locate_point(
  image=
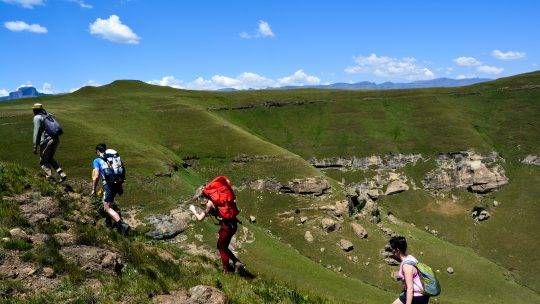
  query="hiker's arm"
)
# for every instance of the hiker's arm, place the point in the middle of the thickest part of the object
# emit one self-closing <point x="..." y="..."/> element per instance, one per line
<point x="202" y="215"/>
<point x="95" y="180"/>
<point x="408" y="272"/>
<point x="37" y="132"/>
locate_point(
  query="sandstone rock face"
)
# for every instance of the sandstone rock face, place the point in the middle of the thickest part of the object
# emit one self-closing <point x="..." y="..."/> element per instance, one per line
<point x="328" y="224"/>
<point x="396" y="186"/>
<point x="202" y="294"/>
<point x="359" y="230"/>
<point x="92" y="258"/>
<point x="531" y="160"/>
<point x="387" y="162"/>
<point x="466" y="170"/>
<point x="316" y="186"/>
<point x="346" y="245"/>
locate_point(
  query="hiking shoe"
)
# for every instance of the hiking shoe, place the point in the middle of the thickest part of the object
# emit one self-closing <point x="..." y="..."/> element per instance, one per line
<point x="239" y="266"/>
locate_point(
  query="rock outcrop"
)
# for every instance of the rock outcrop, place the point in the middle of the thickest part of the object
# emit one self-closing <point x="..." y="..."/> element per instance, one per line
<point x="316" y="186"/>
<point x="386" y="162"/>
<point x="346" y="245"/>
<point x="466" y="170"/>
<point x="92" y="258"/>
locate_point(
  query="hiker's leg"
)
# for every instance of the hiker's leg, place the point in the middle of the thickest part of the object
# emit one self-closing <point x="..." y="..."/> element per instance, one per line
<point x="44" y="153"/>
<point x="53" y="146"/>
<point x="108" y="200"/>
<point x="233" y="258"/>
<point x="223" y="244"/>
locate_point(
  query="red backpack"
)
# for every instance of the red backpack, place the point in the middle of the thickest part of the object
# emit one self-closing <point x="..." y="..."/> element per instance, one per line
<point x="220" y="192"/>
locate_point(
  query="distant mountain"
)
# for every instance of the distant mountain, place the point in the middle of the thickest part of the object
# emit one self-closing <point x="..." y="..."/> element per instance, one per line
<point x="23" y="92"/>
<point x="367" y="85"/>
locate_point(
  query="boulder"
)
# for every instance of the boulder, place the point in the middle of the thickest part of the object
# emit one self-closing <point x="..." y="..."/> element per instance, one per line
<point x="309" y="186"/>
<point x="303" y="219"/>
<point x="359" y="230"/>
<point x="19" y="234"/>
<point x="328" y="224"/>
<point x="531" y="160"/>
<point x="479" y="214"/>
<point x="343" y="208"/>
<point x="48" y="272"/>
<point x="252" y="219"/>
<point x="167" y="226"/>
<point x="309" y="237"/>
<point x="396" y="186"/>
<point x="92" y="258"/>
<point x="450" y="270"/>
<point x="202" y="294"/>
<point x="346" y="245"/>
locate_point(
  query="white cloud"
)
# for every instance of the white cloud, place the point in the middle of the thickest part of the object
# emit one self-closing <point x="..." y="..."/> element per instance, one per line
<point x="299" y="78"/>
<point x="47" y="88"/>
<point x="25" y="3"/>
<point x="486" y="69"/>
<point x="81" y="3"/>
<point x="113" y="30"/>
<point x="244" y="81"/>
<point x="168" y="81"/>
<point x="384" y="66"/>
<point x="19" y="26"/>
<point x="90" y="83"/>
<point x="467" y="61"/>
<point x="3" y="92"/>
<point x="263" y="31"/>
<point x="510" y="55"/>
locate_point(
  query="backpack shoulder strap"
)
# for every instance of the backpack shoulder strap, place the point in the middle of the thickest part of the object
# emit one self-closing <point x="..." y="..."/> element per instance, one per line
<point x="415" y="265"/>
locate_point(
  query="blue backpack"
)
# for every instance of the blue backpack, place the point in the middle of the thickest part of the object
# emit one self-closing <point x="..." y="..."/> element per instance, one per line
<point x="52" y="126"/>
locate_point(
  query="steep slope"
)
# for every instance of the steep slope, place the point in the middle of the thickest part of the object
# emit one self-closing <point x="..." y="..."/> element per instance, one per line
<point x="272" y="134"/>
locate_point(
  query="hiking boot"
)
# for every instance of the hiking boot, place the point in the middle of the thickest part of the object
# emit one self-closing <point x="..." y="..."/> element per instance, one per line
<point x="239" y="266"/>
<point x="123" y="227"/>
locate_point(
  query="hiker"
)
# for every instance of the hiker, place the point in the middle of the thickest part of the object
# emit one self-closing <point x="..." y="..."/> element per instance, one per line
<point x="46" y="138"/>
<point x="408" y="274"/>
<point x="108" y="167"/>
<point x="220" y="202"/>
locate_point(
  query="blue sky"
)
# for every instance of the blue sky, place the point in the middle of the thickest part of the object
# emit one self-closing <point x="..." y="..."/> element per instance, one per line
<point x="61" y="45"/>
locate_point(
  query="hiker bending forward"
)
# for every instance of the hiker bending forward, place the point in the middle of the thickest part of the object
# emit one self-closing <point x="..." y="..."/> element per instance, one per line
<point x="46" y="141"/>
<point x="221" y="202"/>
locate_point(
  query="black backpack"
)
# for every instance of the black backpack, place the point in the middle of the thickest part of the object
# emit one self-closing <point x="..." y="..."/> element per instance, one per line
<point x="52" y="126"/>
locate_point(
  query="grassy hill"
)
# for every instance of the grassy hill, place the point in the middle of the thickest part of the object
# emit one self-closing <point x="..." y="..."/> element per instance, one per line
<point x="154" y="127"/>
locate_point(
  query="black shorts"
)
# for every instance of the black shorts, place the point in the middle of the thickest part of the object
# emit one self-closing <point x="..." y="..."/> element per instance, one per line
<point x="110" y="192"/>
<point x="416" y="299"/>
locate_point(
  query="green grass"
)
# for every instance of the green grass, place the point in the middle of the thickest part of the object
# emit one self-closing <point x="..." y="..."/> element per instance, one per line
<point x="154" y="126"/>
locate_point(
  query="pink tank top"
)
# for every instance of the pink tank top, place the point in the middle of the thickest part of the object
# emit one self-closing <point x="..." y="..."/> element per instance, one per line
<point x="417" y="283"/>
